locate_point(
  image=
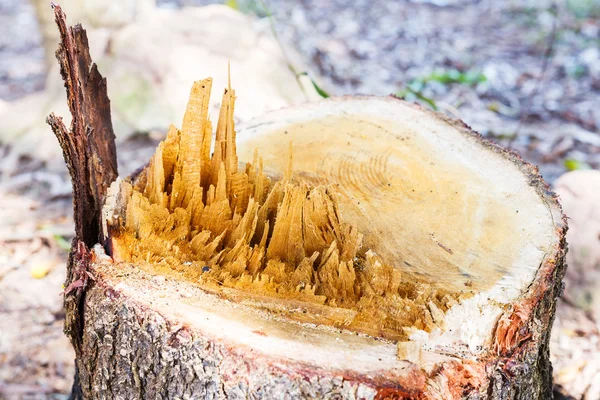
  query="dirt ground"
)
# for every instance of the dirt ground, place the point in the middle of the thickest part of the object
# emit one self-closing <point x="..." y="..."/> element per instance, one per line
<point x="523" y="73"/>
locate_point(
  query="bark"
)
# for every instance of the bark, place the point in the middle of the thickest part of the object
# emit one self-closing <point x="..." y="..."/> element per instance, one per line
<point x="132" y="352"/>
<point x="89" y="145"/>
<point x="135" y="349"/>
<point x="131" y="344"/>
<point x="90" y="154"/>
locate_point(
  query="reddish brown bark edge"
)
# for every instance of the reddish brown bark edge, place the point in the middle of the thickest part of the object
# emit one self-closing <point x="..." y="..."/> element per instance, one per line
<point x="89" y="145"/>
<point x="90" y="154"/>
<point x="522" y="335"/>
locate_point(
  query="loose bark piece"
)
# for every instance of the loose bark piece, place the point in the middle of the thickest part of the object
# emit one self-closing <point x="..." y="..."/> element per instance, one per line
<point x="90" y="154"/>
<point x="89" y="145"/>
<point x="397" y="254"/>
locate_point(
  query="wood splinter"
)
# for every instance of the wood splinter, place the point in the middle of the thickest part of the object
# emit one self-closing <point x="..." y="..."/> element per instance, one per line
<point x="284" y="239"/>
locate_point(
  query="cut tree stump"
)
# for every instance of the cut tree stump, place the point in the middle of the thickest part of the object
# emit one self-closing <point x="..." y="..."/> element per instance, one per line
<point x="390" y="252"/>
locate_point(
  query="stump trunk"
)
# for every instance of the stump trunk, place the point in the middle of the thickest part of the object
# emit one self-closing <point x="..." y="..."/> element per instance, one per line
<point x="393" y="254"/>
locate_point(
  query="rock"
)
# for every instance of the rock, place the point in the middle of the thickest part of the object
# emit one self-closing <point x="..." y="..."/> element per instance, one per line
<point x="580" y="197"/>
<point x="92" y="13"/>
<point x="575" y="339"/>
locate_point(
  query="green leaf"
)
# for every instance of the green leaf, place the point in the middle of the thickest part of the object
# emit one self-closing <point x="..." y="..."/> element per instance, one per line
<point x="233" y="4"/>
<point x="573" y="165"/>
<point x="60" y="240"/>
<point x="410" y="94"/>
<point x="455" y="76"/>
<point x="319" y="90"/>
<point x="427" y="100"/>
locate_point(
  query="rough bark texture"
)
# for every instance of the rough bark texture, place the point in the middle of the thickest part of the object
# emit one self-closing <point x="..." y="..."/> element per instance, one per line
<point x="131" y="350"/>
<point x="127" y="350"/>
<point x="89" y="145"/>
<point x="132" y="353"/>
<point x="90" y="154"/>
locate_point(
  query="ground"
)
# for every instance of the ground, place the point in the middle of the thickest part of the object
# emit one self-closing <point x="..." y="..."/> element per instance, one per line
<point x="523" y="73"/>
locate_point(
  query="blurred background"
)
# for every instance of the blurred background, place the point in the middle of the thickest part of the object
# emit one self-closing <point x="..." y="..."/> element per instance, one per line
<point x="524" y="73"/>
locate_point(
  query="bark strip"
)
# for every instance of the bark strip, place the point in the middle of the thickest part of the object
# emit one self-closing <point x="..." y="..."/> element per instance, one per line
<point x="89" y="145"/>
<point x="90" y="154"/>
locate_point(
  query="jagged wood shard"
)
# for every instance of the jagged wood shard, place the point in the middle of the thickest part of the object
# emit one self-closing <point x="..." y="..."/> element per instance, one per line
<point x="225" y="226"/>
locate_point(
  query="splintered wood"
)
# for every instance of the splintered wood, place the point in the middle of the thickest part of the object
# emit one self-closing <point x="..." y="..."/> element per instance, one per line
<point x="199" y="215"/>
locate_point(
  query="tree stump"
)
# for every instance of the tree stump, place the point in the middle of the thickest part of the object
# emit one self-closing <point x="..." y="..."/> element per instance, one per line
<point x="389" y="252"/>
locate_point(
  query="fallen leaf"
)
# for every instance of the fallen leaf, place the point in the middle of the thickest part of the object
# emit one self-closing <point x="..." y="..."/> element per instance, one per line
<point x="41" y="269"/>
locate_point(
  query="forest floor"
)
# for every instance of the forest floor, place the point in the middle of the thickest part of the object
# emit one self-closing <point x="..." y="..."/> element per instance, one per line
<point x="525" y="74"/>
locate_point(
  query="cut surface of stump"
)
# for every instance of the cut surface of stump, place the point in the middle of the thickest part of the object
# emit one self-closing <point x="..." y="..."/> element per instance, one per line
<point x="358" y="247"/>
<point x="280" y="242"/>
